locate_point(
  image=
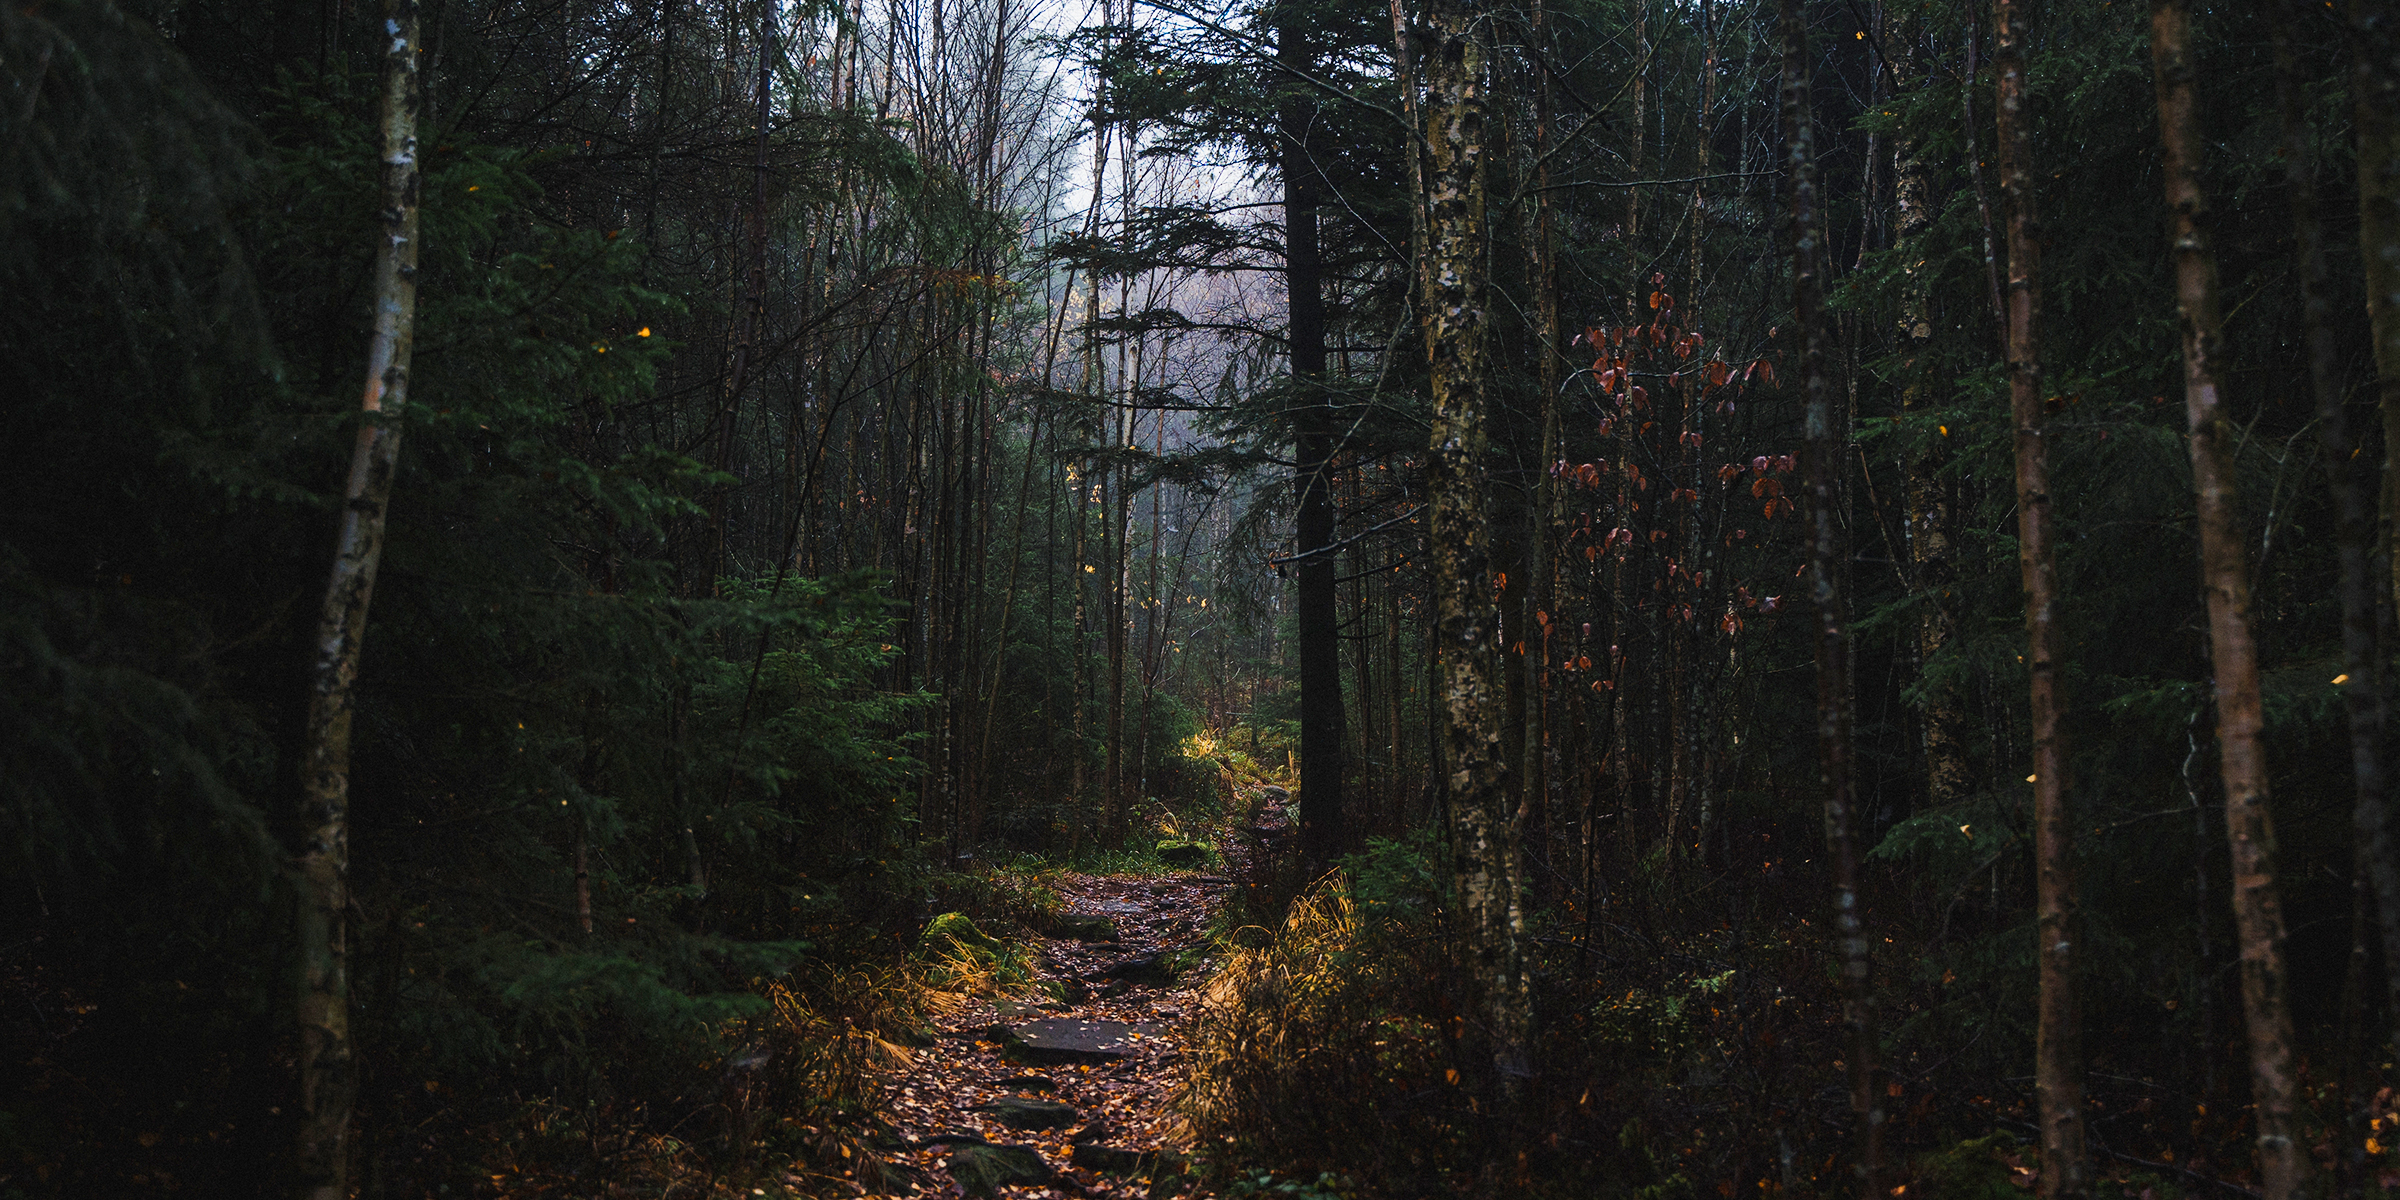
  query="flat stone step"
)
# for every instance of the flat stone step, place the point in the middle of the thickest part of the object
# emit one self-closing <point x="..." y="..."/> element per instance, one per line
<point x="1167" y="1166"/>
<point x="1085" y="927"/>
<point x="953" y="1138"/>
<point x="983" y="1170"/>
<point x="1025" y="1112"/>
<point x="1112" y="1160"/>
<point x="1158" y="967"/>
<point x="1074" y="1040"/>
<point x="1013" y="1009"/>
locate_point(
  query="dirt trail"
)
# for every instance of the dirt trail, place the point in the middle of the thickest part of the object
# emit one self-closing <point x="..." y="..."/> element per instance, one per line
<point x="1000" y="1068"/>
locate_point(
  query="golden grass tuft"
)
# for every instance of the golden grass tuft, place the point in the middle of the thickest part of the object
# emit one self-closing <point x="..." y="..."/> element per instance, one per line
<point x="1313" y="1048"/>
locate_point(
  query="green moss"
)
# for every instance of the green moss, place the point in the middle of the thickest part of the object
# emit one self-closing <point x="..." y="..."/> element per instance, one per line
<point x="1176" y="853"/>
<point x="954" y="935"/>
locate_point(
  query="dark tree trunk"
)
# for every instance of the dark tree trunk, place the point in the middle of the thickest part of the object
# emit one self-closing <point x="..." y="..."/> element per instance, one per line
<point x="2375" y="85"/>
<point x="2375" y="93"/>
<point x="2350" y="479"/>
<point x="1931" y="571"/>
<point x="1824" y="457"/>
<point x="1549" y="507"/>
<point x="2058" y="1039"/>
<point x="1318" y="610"/>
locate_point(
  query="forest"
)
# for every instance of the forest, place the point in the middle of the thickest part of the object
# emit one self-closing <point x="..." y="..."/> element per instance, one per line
<point x="1640" y="599"/>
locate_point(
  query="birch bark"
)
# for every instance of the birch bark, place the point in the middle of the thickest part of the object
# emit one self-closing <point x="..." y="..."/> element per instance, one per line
<point x="1467" y="621"/>
<point x="328" y="1074"/>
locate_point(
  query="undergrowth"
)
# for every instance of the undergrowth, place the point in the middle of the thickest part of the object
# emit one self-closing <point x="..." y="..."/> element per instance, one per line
<point x="1291" y="1036"/>
<point x="1335" y="1045"/>
<point x="789" y="1099"/>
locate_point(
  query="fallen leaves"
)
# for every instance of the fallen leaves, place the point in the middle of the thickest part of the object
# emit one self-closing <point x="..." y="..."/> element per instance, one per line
<point x="1127" y="1101"/>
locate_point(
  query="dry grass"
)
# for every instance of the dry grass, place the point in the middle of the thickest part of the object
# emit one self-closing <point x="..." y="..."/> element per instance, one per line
<point x="1315" y="1051"/>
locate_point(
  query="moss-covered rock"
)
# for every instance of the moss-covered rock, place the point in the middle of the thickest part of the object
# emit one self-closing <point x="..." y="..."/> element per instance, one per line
<point x="984" y="1170"/>
<point x="1184" y="854"/>
<point x="954" y="935"/>
<point x="1084" y="927"/>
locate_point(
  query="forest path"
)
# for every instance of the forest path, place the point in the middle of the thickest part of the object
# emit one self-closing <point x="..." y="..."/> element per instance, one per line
<point x="1042" y="1098"/>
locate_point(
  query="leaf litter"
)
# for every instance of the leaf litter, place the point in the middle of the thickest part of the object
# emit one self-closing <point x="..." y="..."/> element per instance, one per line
<point x="937" y="1101"/>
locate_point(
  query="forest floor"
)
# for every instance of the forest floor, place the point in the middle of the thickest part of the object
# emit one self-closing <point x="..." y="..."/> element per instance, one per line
<point x="1068" y="1098"/>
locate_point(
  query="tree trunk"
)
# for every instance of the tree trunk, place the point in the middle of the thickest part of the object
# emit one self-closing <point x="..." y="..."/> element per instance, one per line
<point x="1983" y="202"/>
<point x="1087" y="492"/>
<point x="2224" y="576"/>
<point x="328" y="1077"/>
<point x="1112" y="548"/>
<point x="1467" y="622"/>
<point x="2058" y="1038"/>
<point x="1549" y="507"/>
<point x="2354" y="516"/>
<point x="1633" y="162"/>
<point x="2375" y="92"/>
<point x="1317" y="607"/>
<point x="1931" y="573"/>
<point x="1824" y="457"/>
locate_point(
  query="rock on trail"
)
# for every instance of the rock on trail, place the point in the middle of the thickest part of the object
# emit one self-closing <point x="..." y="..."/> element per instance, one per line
<point x="1072" y="1040"/>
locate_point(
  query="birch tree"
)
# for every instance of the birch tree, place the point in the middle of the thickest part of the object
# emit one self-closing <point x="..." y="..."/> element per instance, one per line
<point x="328" y="1076"/>
<point x="1455" y="294"/>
